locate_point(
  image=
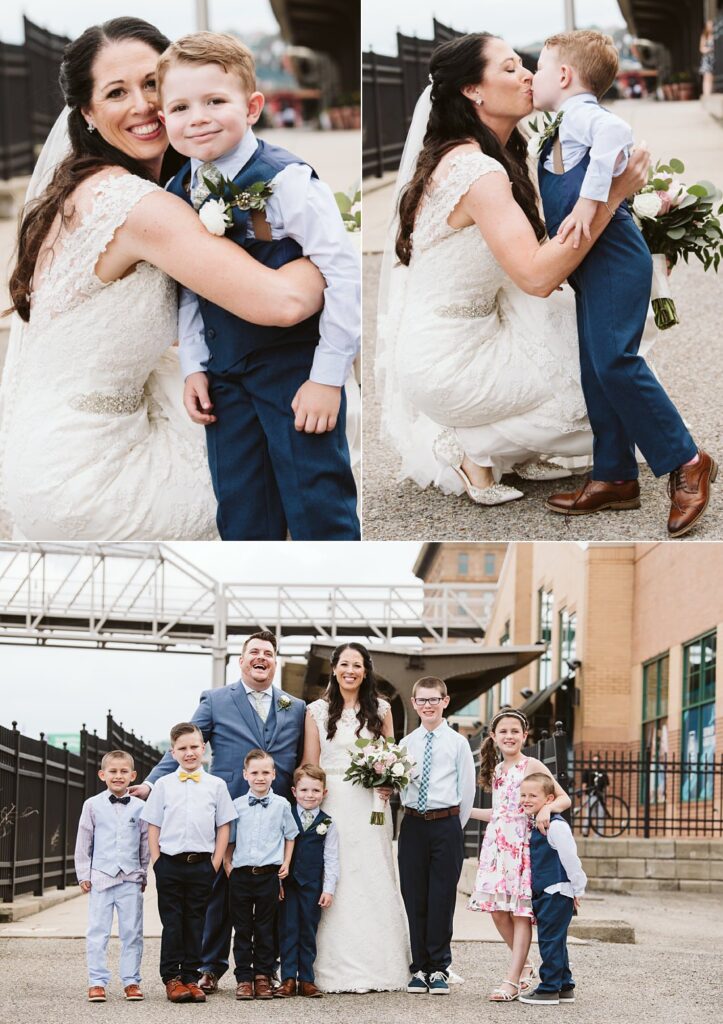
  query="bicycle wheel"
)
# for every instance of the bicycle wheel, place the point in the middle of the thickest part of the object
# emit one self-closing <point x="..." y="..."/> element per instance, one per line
<point x="610" y="817"/>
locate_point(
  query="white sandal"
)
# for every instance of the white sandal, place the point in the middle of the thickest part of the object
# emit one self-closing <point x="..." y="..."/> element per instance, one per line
<point x="449" y="451"/>
<point x="527" y="979"/>
<point x="500" y="995"/>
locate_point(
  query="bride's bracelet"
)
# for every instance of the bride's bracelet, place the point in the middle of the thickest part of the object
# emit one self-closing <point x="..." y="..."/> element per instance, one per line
<point x="611" y="212"/>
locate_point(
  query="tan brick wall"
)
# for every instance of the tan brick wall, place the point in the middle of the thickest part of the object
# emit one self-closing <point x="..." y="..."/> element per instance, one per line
<point x="445" y="565"/>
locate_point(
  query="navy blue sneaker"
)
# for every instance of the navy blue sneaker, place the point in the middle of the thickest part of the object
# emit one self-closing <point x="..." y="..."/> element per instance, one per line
<point x="438" y="985"/>
<point x="418" y="983"/>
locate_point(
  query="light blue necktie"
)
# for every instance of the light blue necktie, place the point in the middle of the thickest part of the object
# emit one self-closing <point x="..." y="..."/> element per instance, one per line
<point x="426" y="771"/>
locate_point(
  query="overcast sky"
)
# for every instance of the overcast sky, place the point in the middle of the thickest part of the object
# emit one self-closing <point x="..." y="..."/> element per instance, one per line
<point x="71" y="17"/>
<point x="518" y="21"/>
<point x="57" y="689"/>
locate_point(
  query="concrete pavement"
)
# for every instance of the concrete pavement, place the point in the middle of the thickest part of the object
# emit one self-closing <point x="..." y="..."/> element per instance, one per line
<point x="687" y="358"/>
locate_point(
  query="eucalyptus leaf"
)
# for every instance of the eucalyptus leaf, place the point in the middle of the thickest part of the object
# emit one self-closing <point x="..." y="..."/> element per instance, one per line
<point x="675" y="233"/>
<point x="343" y="202"/>
<point x="677" y="165"/>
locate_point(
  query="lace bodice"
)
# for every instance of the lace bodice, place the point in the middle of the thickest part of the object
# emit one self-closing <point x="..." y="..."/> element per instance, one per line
<point x="336" y="752"/>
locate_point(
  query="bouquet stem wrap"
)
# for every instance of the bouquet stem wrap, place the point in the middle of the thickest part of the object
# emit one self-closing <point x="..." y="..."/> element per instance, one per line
<point x="379" y="806"/>
<point x="663" y="305"/>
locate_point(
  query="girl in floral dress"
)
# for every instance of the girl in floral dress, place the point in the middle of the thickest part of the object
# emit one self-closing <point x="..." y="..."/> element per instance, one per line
<point x="503" y="887"/>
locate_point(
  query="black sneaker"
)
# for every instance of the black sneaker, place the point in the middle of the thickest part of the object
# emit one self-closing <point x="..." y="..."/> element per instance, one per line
<point x="567" y="995"/>
<point x="538" y="998"/>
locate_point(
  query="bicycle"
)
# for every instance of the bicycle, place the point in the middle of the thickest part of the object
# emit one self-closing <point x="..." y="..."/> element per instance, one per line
<point x="608" y="815"/>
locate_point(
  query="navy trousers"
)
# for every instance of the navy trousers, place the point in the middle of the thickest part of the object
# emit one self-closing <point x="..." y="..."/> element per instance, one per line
<point x="254" y="905"/>
<point x="430" y="857"/>
<point x="626" y="404"/>
<point x="554" y="913"/>
<point x="183" y="892"/>
<point x="268" y="477"/>
<point x="298" y="921"/>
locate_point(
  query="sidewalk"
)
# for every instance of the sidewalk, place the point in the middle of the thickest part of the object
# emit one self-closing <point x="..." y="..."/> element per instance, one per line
<point x="687" y="359"/>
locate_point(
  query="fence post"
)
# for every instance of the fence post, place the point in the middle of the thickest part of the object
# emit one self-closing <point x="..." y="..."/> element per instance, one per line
<point x="43" y="816"/>
<point x="377" y="119"/>
<point x="66" y="818"/>
<point x="13" y="866"/>
<point x="561" y="762"/>
<point x="646" y="791"/>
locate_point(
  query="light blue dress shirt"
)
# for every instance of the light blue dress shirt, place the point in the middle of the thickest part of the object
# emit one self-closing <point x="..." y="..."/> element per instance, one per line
<point x="260" y="832"/>
<point x="588" y="126"/>
<point x="561" y="839"/>
<point x="302" y="208"/>
<point x="331" y="850"/>
<point x="452" y="774"/>
<point x="188" y="813"/>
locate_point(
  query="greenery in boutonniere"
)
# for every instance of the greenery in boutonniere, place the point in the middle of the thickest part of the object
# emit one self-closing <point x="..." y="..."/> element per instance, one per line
<point x="215" y="213"/>
<point x="350" y="209"/>
<point x="284" y="704"/>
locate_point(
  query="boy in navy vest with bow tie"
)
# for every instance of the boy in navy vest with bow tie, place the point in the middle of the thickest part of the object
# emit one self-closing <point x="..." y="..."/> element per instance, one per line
<point x="271" y="397"/>
<point x="558" y="885"/>
<point x="311" y="883"/>
<point x="111" y="861"/>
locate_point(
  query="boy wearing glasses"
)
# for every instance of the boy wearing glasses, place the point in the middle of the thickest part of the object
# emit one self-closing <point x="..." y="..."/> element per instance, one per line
<point x="437" y="803"/>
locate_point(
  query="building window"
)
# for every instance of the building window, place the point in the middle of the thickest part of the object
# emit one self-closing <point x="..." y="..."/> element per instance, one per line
<point x="544" y="633"/>
<point x="506" y="683"/>
<point x="462" y="563"/>
<point x="567" y="649"/>
<point x="655" y="724"/>
<point x="489" y="563"/>
<point x="470" y="710"/>
<point x="698" y="725"/>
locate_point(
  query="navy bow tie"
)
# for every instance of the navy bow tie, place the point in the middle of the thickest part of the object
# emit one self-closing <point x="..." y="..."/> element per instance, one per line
<point x="119" y="799"/>
<point x="263" y="800"/>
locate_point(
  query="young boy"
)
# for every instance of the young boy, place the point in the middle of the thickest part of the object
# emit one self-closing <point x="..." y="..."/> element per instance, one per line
<point x="627" y="406"/>
<point x="111" y="861"/>
<point x="558" y="885"/>
<point x="188" y="815"/>
<point x="437" y="804"/>
<point x="257" y="858"/>
<point x="311" y="883"/>
<point x="271" y="397"/>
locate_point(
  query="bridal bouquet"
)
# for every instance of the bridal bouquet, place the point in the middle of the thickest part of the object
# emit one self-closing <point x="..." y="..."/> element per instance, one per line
<point x="380" y="762"/>
<point x="676" y="220"/>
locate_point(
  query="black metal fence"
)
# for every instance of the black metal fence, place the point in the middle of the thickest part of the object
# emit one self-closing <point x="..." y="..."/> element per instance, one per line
<point x="30" y="97"/>
<point x="42" y="789"/>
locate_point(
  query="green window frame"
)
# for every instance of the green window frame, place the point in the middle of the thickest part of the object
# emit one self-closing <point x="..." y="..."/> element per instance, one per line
<point x="545" y="603"/>
<point x="654" y="730"/>
<point x="567" y="643"/>
<point x="698" y="716"/>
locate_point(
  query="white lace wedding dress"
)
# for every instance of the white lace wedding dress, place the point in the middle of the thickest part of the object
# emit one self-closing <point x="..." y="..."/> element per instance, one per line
<point x="363" y="938"/>
<point x="97" y="444"/>
<point x="472" y="352"/>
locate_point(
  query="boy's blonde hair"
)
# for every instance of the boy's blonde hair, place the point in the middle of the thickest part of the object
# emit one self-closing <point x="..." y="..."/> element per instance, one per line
<point x="257" y="754"/>
<point x="545" y="782"/>
<point x="311" y="771"/>
<point x="117" y="755"/>
<point x="592" y="54"/>
<point x="430" y="683"/>
<point x="210" y="48"/>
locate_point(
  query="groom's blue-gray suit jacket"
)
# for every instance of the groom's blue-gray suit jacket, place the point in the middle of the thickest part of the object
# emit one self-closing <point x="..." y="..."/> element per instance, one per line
<point x="230" y="723"/>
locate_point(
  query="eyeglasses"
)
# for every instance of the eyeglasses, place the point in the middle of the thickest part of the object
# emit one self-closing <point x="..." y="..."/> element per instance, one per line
<point x="432" y="701"/>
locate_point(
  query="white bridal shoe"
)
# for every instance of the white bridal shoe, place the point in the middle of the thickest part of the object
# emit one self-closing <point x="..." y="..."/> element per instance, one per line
<point x="540" y="470"/>
<point x="449" y="451"/>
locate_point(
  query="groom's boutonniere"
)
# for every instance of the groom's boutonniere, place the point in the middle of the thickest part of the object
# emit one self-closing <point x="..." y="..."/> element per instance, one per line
<point x="323" y="827"/>
<point x="215" y="214"/>
<point x="542" y="133"/>
<point x="283" y="704"/>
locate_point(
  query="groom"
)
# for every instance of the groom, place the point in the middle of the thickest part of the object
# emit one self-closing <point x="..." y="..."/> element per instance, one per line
<point x="248" y="714"/>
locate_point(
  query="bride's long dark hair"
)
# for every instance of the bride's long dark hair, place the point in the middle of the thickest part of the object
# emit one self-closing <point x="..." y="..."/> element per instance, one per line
<point x="89" y="150"/>
<point x="452" y="122"/>
<point x="368" y="713"/>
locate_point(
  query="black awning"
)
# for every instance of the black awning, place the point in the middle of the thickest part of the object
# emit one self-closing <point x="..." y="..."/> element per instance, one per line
<point x="538" y="700"/>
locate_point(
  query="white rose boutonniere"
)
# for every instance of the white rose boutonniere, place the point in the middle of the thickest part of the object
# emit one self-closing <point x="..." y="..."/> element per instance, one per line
<point x="284" y="704"/>
<point x="215" y="217"/>
<point x="323" y="828"/>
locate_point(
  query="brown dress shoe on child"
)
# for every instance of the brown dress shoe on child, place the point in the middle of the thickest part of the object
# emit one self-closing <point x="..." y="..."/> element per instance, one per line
<point x="208" y="983"/>
<point x="177" y="992"/>
<point x="286" y="988"/>
<point x="262" y="987"/>
<point x="197" y="993"/>
<point x="96" y="994"/>
<point x="689" y="493"/>
<point x="133" y="993"/>
<point x="245" y="990"/>
<point x="596" y="496"/>
<point x="309" y="989"/>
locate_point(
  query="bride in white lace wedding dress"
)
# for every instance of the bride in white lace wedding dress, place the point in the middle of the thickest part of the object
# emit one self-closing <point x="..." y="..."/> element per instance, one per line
<point x="363" y="939"/>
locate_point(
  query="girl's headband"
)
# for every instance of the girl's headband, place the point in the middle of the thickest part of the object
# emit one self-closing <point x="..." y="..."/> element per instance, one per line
<point x="509" y="713"/>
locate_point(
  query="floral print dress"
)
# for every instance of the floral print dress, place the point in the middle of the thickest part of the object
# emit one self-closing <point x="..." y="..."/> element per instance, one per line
<point x="503" y="878"/>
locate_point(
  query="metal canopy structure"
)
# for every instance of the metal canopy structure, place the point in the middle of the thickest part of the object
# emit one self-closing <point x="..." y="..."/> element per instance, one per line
<point x="148" y="597"/>
<point x="331" y="27"/>
<point x="676" y="24"/>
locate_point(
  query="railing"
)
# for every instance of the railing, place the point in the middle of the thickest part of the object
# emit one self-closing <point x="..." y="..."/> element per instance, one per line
<point x="42" y="789"/>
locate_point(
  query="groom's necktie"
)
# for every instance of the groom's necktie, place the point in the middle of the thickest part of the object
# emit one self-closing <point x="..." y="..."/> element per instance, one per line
<point x="262" y="707"/>
<point x="200" y="192"/>
<point x="426" y="770"/>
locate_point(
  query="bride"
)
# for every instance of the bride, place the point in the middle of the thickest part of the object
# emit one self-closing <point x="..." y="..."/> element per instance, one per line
<point x="466" y="340"/>
<point x="94" y="441"/>
<point x="362" y="940"/>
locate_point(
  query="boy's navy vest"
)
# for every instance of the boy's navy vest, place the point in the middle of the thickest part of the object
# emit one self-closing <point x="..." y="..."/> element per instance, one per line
<point x="116" y="839"/>
<point x="544" y="861"/>
<point x="229" y="338"/>
<point x="307" y="865"/>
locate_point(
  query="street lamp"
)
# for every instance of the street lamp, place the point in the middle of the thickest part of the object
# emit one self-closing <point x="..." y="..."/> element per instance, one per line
<point x="569" y="15"/>
<point x="202" y="15"/>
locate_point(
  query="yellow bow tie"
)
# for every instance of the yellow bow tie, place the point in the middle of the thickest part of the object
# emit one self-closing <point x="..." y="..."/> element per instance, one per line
<point x="184" y="776"/>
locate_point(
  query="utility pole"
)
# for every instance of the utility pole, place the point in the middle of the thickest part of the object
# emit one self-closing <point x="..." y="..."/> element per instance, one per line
<point x="202" y="15"/>
<point x="569" y="15"/>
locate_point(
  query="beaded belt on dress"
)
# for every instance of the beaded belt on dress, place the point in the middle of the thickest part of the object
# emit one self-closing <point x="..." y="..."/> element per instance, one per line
<point x="122" y="402"/>
<point x="467" y="310"/>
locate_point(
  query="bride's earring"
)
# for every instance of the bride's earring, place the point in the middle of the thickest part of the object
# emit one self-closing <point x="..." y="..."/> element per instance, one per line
<point x="478" y="100"/>
<point x="91" y="127"/>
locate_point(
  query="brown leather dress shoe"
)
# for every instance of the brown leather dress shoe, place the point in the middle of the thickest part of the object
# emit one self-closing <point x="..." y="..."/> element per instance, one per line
<point x="245" y="990"/>
<point x="596" y="496"/>
<point x="286" y="988"/>
<point x="309" y="989"/>
<point x="96" y="994"/>
<point x="197" y="993"/>
<point x="689" y="493"/>
<point x="133" y="993"/>
<point x="208" y="983"/>
<point x="177" y="992"/>
<point x="263" y="988"/>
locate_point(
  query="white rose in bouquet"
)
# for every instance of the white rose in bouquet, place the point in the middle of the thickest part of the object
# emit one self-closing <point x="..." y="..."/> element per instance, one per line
<point x="398" y="769"/>
<point x="214" y="216"/>
<point x="647" y="204"/>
